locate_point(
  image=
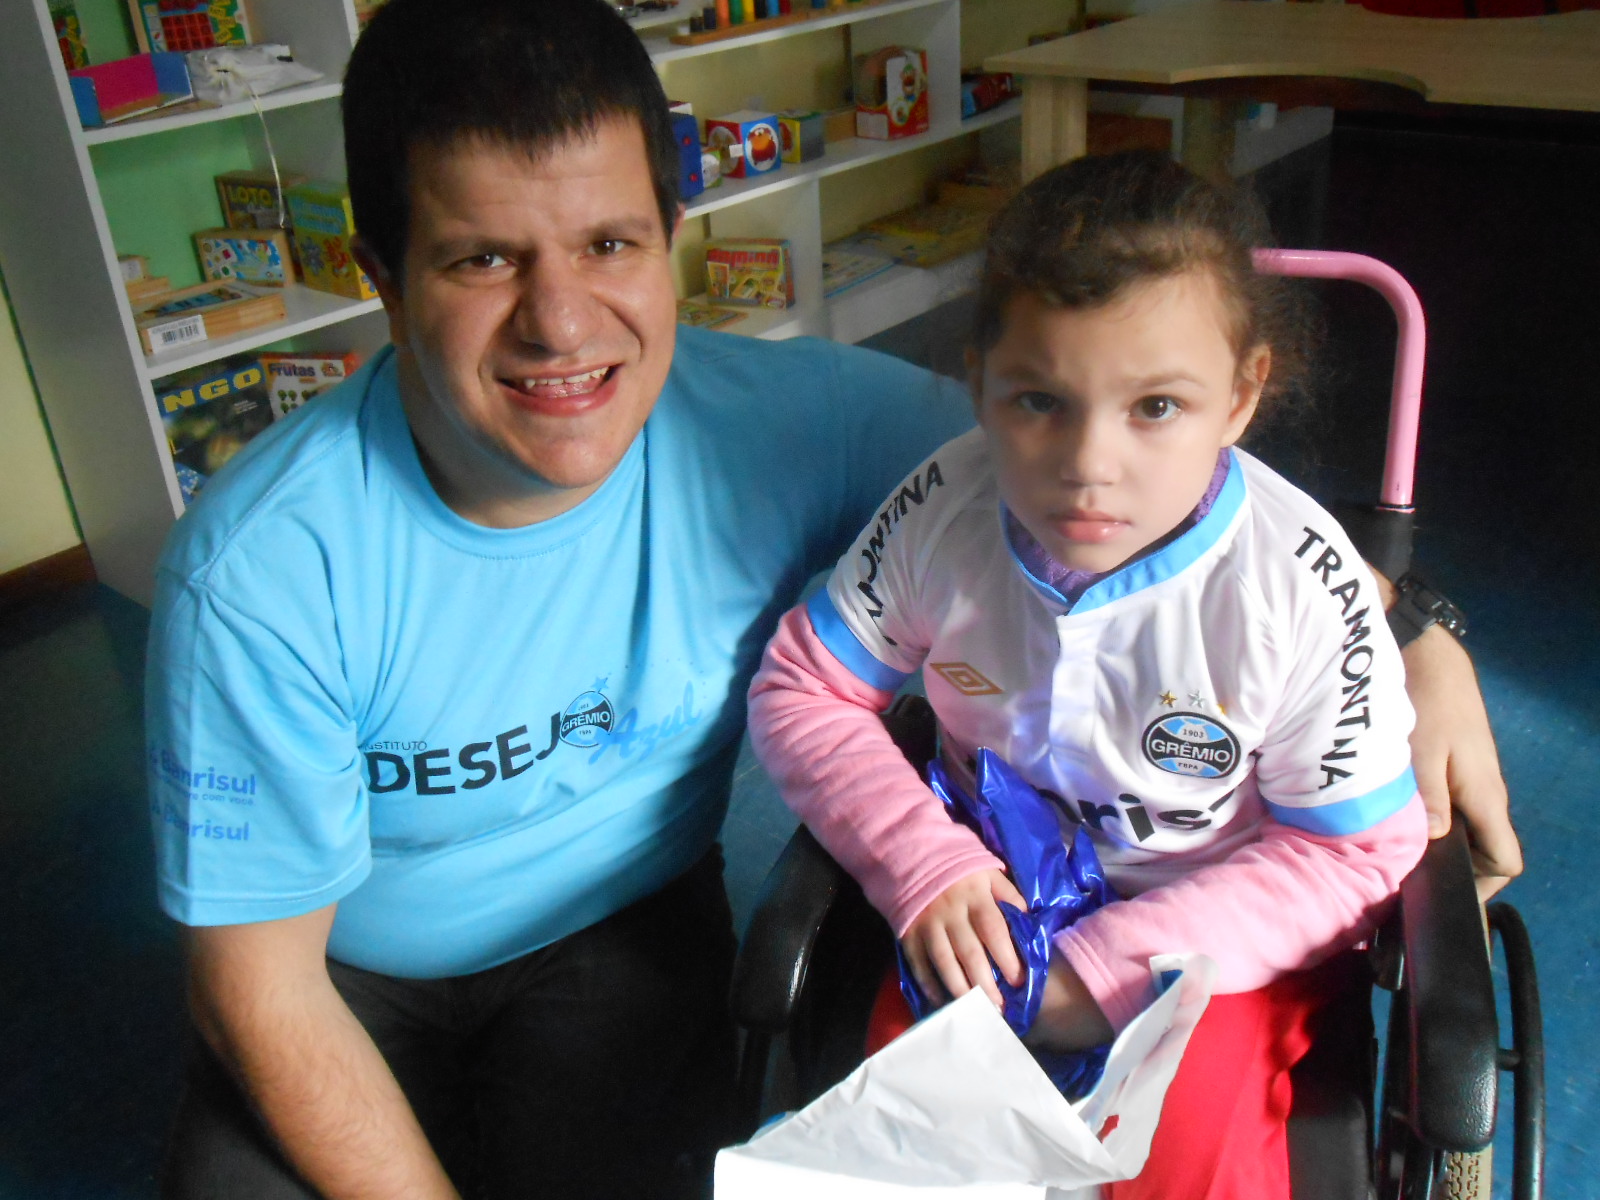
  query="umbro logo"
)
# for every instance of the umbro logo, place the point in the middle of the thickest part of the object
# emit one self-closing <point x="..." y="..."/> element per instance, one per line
<point x="967" y="679"/>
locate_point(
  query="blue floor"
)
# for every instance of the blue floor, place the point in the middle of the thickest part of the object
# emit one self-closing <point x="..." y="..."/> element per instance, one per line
<point x="1500" y="238"/>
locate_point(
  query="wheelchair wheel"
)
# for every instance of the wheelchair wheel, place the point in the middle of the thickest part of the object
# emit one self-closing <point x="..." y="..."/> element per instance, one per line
<point x="1467" y="1176"/>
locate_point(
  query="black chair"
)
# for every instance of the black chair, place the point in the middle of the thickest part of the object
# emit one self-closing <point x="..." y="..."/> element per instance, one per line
<point x="815" y="952"/>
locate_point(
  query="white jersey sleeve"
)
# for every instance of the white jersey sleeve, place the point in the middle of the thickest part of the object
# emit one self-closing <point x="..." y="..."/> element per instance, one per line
<point x="872" y="615"/>
<point x="1336" y="757"/>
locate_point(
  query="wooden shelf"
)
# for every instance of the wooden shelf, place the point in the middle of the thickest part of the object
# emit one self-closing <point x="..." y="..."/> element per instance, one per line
<point x="307" y="310"/>
<point x="842" y="156"/>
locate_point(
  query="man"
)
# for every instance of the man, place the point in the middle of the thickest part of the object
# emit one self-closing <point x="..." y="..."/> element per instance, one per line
<point x="447" y="673"/>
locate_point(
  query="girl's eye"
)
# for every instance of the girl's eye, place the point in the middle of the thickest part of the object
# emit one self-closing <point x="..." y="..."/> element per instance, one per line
<point x="1038" y="403"/>
<point x="1156" y="408"/>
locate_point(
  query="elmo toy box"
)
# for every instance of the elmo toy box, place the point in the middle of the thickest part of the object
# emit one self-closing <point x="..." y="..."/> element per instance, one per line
<point x="747" y="143"/>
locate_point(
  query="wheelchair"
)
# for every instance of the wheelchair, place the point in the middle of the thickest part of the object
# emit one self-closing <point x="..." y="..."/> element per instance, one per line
<point x="815" y="953"/>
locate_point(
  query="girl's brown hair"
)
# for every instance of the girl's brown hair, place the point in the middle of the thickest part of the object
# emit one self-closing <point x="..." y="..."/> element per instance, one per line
<point x="1081" y="233"/>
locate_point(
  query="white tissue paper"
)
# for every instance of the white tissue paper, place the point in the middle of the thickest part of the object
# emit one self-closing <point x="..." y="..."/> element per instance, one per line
<point x="228" y="74"/>
<point x="957" y="1107"/>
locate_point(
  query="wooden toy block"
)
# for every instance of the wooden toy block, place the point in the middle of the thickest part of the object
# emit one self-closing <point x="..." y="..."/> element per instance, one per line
<point x="255" y="256"/>
<point x="202" y="313"/>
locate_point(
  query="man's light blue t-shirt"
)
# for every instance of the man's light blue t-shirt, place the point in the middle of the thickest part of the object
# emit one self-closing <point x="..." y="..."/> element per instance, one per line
<point x="478" y="740"/>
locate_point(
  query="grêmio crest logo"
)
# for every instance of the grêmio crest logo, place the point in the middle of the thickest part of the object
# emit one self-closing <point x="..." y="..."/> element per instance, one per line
<point x="1189" y="743"/>
<point x="582" y="723"/>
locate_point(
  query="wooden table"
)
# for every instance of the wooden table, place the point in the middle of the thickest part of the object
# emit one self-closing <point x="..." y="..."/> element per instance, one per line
<point x="1550" y="63"/>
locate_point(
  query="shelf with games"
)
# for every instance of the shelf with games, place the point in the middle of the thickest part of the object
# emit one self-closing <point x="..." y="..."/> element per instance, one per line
<point x="307" y="311"/>
<point x="60" y="212"/>
<point x="843" y="156"/>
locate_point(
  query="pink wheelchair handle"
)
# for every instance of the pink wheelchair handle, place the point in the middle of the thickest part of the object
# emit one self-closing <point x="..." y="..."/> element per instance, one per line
<point x="1405" y="402"/>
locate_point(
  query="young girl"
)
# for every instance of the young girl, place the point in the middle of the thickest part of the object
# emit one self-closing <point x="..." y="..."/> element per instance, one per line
<point x="1177" y="646"/>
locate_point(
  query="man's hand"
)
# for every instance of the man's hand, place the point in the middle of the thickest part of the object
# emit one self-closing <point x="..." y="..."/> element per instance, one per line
<point x="1068" y="1019"/>
<point x="950" y="943"/>
<point x="262" y="999"/>
<point x="1453" y="753"/>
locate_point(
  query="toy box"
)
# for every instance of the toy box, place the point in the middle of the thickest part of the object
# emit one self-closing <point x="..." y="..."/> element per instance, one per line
<point x="249" y="199"/>
<point x="323" y="229"/>
<point x="892" y="93"/>
<point x="747" y="143"/>
<point x="209" y="413"/>
<point x="200" y="313"/>
<point x="292" y="379"/>
<point x="128" y="87"/>
<point x="749" y="272"/>
<point x="69" y="34"/>
<point x="802" y="136"/>
<point x="184" y="25"/>
<point x="256" y="256"/>
<point x="691" y="178"/>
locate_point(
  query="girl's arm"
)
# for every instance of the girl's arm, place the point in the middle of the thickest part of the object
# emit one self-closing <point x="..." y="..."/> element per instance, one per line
<point x="816" y="729"/>
<point x="1277" y="905"/>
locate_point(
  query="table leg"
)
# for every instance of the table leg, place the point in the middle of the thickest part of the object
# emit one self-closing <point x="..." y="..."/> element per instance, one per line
<point x="1208" y="126"/>
<point x="1055" y="122"/>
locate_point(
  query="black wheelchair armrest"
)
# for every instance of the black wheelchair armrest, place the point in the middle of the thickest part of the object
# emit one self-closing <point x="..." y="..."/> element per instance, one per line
<point x="1453" y="1036"/>
<point x="776" y="951"/>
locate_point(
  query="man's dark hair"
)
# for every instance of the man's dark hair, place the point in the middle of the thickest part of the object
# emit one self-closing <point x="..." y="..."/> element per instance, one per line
<point x="523" y="74"/>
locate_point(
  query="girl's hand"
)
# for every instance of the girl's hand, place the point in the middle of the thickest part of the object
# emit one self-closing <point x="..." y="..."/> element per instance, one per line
<point x="950" y="943"/>
<point x="1068" y="1019"/>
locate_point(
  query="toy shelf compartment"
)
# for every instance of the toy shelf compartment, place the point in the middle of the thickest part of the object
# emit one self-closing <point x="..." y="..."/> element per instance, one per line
<point x="842" y="156"/>
<point x="308" y="310"/>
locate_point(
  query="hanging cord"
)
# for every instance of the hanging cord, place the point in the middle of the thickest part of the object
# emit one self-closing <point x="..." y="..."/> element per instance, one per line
<point x="272" y="157"/>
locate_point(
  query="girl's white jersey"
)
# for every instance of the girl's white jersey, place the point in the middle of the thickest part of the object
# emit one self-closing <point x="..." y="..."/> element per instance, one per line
<point x="1241" y="673"/>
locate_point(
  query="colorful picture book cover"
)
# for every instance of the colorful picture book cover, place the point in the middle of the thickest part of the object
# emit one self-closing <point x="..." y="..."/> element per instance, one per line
<point x="323" y="231"/>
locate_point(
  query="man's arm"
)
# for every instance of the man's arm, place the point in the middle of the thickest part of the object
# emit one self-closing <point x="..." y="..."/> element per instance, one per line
<point x="1453" y="754"/>
<point x="264" y="1003"/>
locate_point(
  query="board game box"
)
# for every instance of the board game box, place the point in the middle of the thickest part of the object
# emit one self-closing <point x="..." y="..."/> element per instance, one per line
<point x="210" y="413"/>
<point x="749" y="272"/>
<point x="292" y="379"/>
<point x="323" y="231"/>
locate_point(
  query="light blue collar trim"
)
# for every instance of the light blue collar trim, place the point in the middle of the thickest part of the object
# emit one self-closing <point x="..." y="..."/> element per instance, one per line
<point x="1176" y="556"/>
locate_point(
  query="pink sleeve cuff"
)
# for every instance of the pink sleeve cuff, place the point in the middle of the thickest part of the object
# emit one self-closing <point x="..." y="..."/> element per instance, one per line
<point x="1281" y="904"/>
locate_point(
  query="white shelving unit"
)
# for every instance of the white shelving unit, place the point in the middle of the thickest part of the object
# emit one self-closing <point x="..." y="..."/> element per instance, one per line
<point x="61" y="270"/>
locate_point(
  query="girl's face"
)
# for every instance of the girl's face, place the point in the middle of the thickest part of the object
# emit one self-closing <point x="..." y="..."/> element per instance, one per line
<point x="1105" y="423"/>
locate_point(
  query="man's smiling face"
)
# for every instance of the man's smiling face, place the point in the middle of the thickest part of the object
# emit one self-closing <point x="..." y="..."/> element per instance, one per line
<point x="534" y="318"/>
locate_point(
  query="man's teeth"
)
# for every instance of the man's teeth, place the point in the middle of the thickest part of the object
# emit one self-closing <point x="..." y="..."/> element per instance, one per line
<point x="591" y="377"/>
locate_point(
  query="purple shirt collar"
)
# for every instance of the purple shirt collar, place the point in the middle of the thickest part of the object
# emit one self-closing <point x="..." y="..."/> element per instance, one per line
<point x="1070" y="583"/>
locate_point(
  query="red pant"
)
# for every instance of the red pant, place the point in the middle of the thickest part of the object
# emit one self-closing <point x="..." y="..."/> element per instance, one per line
<point x="1223" y="1129"/>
